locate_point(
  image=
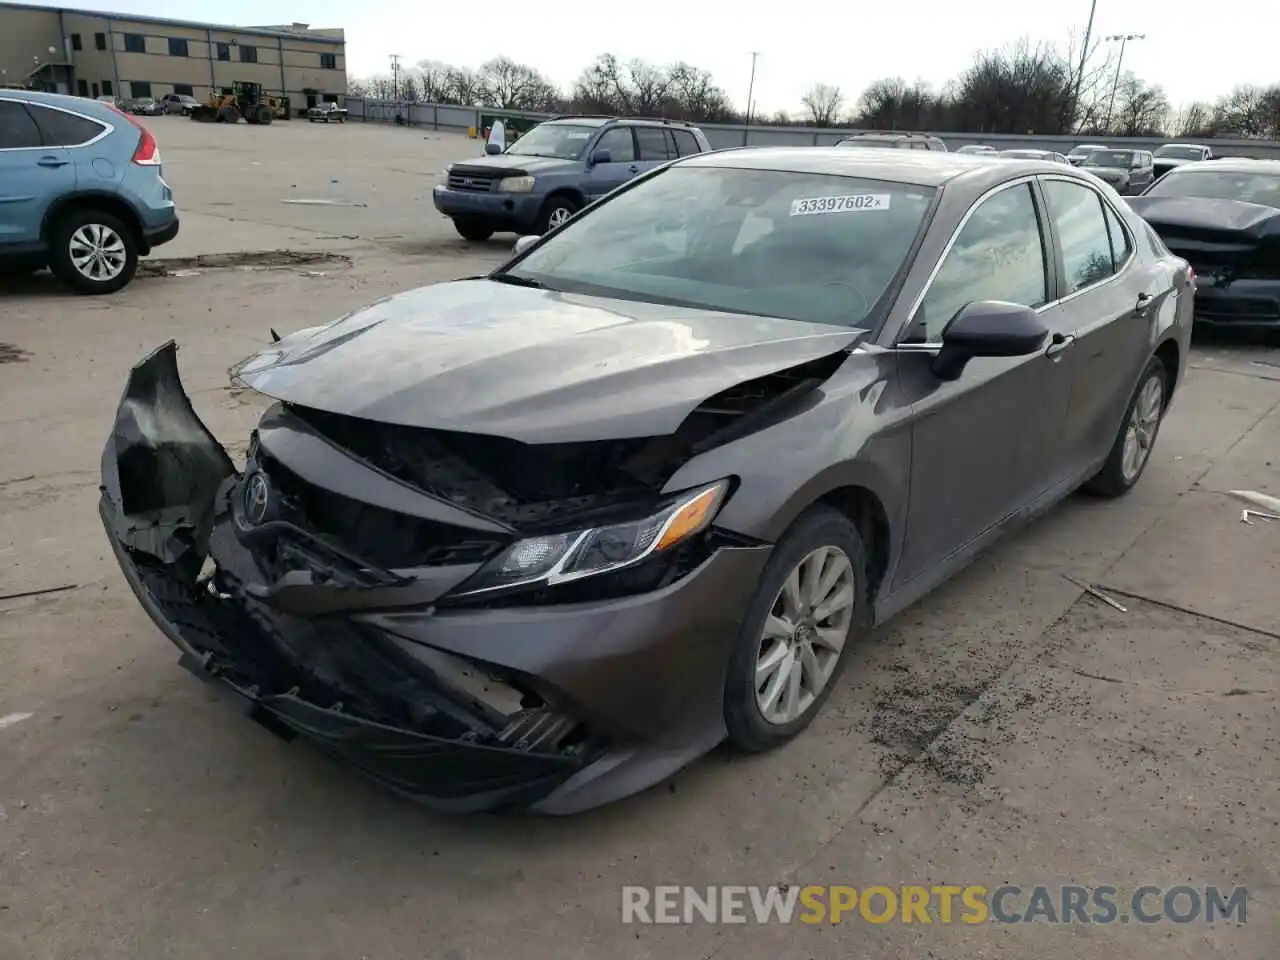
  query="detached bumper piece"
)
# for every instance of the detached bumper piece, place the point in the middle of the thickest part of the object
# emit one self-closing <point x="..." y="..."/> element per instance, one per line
<point x="344" y="686"/>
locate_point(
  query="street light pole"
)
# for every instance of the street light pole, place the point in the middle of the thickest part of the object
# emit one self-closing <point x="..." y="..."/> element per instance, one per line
<point x="1084" y="58"/>
<point x="1124" y="39"/>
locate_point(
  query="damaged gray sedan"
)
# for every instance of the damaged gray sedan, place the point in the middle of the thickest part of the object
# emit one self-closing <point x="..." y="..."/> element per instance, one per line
<point x="536" y="540"/>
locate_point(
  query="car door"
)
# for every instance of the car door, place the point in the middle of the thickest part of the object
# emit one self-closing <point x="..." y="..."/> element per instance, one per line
<point x="653" y="147"/>
<point x="1141" y="172"/>
<point x="1112" y="298"/>
<point x="622" y="164"/>
<point x="986" y="444"/>
<point x="32" y="176"/>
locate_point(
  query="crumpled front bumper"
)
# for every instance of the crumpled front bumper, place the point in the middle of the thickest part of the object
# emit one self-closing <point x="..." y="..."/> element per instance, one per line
<point x="638" y="678"/>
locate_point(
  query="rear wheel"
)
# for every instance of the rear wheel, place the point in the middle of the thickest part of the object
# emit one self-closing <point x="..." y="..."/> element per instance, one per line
<point x="228" y="115"/>
<point x="795" y="637"/>
<point x="477" y="231"/>
<point x="1131" y="450"/>
<point x="93" y="252"/>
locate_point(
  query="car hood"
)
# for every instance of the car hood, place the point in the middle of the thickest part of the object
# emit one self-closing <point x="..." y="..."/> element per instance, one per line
<point x="533" y="365"/>
<point x="1205" y="217"/>
<point x="505" y="164"/>
<point x="1171" y="161"/>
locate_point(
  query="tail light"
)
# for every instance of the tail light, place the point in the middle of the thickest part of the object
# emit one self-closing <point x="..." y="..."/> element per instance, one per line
<point x="147" y="153"/>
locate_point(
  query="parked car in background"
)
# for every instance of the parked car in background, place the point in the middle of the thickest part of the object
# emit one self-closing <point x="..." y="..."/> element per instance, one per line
<point x="1079" y="152"/>
<point x="1048" y="155"/>
<point x="179" y="103"/>
<point x="146" y="107"/>
<point x="555" y="170"/>
<point x="1223" y="217"/>
<point x="976" y="148"/>
<point x="327" y="113"/>
<point x="549" y="534"/>
<point x="1129" y="171"/>
<point x="81" y="190"/>
<point x="1173" y="155"/>
<point x="901" y="141"/>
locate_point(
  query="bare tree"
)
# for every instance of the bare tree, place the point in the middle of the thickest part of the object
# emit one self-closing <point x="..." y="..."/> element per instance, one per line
<point x="465" y="87"/>
<point x="433" y="78"/>
<point x="1141" y="109"/>
<point x="1023" y="88"/>
<point x="1242" y="112"/>
<point x="514" y="86"/>
<point x="822" y="102"/>
<point x="649" y="86"/>
<point x="696" y="96"/>
<point x="1193" y="120"/>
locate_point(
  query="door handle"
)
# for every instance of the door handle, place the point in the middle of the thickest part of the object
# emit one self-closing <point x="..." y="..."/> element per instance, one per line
<point x="1059" y="344"/>
<point x="1145" y="300"/>
<point x="52" y="162"/>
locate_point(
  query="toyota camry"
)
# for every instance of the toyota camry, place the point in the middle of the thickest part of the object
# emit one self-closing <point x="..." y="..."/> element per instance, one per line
<point x="539" y="538"/>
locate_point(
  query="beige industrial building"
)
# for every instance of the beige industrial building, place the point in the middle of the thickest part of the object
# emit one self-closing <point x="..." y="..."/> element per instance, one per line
<point x="96" y="54"/>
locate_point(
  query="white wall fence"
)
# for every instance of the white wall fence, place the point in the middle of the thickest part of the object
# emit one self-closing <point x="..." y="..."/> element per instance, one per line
<point x="442" y="116"/>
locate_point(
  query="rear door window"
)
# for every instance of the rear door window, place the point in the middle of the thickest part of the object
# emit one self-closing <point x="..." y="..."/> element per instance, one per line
<point x="619" y="144"/>
<point x="1121" y="245"/>
<point x="17" y="129"/>
<point x="59" y="129"/>
<point x="686" y="142"/>
<point x="653" y="144"/>
<point x="1077" y="213"/>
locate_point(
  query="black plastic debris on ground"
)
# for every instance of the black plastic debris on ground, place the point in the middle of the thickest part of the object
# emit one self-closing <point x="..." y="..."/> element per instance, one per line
<point x="13" y="354"/>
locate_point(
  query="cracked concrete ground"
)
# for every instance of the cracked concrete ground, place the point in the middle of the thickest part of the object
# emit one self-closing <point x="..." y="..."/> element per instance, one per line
<point x="1007" y="729"/>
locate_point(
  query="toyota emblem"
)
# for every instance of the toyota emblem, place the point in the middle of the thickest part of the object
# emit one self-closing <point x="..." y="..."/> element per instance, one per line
<point x="468" y="182"/>
<point x="257" y="498"/>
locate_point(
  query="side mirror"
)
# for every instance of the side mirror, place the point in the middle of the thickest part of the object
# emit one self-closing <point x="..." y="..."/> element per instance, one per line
<point x="988" y="328"/>
<point x="524" y="243"/>
<point x="601" y="156"/>
<point x="492" y="149"/>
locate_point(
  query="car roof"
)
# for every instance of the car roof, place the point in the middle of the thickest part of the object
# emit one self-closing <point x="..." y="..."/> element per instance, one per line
<point x="1231" y="165"/>
<point x="925" y="168"/>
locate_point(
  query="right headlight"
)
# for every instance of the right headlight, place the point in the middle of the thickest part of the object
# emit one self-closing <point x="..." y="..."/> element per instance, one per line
<point x="564" y="557"/>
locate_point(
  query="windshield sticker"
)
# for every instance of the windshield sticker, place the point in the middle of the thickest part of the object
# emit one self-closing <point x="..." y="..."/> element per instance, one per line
<point x="576" y="136"/>
<point x="851" y="204"/>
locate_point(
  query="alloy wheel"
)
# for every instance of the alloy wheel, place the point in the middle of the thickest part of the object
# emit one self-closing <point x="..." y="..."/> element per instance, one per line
<point x="804" y="634"/>
<point x="559" y="216"/>
<point x="98" y="253"/>
<point x="1140" y="432"/>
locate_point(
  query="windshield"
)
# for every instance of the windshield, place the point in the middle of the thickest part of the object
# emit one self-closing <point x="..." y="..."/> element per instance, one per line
<point x="1263" y="188"/>
<point x="563" y="140"/>
<point x="869" y="142"/>
<point x="1180" y="153"/>
<point x="1084" y="150"/>
<point x="1109" y="158"/>
<point x="800" y="246"/>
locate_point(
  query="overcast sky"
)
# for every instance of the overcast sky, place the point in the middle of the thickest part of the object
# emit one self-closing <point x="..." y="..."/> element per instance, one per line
<point x="1195" y="50"/>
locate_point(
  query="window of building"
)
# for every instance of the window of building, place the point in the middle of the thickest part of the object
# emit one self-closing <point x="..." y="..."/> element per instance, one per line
<point x="183" y="90"/>
<point x="135" y="43"/>
<point x="177" y="47"/>
<point x="100" y="41"/>
<point x="224" y="51"/>
<point x="248" y="54"/>
<point x="82" y="87"/>
<point x="329" y="61"/>
<point x="17" y="129"/>
<point x="75" y="42"/>
<point x="140" y="88"/>
<point x="59" y="129"/>
<point x="106" y="89"/>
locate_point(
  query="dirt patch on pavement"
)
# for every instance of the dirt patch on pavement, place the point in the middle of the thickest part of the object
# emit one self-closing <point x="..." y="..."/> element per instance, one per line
<point x="13" y="354"/>
<point x="243" y="260"/>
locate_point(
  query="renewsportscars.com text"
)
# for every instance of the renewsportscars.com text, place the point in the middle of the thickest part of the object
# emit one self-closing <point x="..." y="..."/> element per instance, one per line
<point x="942" y="904"/>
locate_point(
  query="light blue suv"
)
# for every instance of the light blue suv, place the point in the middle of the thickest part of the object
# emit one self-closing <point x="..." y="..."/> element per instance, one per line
<point x="555" y="170"/>
<point x="80" y="190"/>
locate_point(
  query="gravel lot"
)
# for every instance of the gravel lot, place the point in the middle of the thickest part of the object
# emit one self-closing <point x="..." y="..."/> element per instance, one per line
<point x="1010" y="728"/>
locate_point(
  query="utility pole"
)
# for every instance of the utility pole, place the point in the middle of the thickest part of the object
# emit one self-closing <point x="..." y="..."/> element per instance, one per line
<point x="1124" y="39"/>
<point x="751" y="85"/>
<point x="1084" y="59"/>
<point x="395" y="76"/>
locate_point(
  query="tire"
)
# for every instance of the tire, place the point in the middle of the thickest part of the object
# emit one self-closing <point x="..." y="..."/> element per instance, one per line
<point x="228" y="115"/>
<point x="555" y="212"/>
<point x="749" y="728"/>
<point x="1117" y="476"/>
<point x="84" y="229"/>
<point x="263" y="114"/>
<point x="477" y="231"/>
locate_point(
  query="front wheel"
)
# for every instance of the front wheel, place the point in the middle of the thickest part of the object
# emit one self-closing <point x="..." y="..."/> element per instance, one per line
<point x="93" y="252"/>
<point x="477" y="231"/>
<point x="555" y="213"/>
<point x="1131" y="450"/>
<point x="808" y="606"/>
